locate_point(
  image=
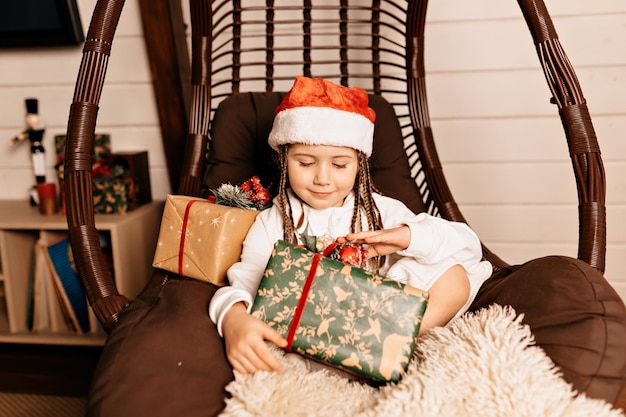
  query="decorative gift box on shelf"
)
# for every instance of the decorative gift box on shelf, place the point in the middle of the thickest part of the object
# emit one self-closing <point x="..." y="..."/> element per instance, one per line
<point x="114" y="195"/>
<point x="339" y="314"/>
<point x="124" y="183"/>
<point x="133" y="165"/>
<point x="121" y="180"/>
<point x="200" y="239"/>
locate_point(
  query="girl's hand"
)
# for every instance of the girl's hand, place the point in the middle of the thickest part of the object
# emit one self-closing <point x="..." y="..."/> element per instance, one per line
<point x="245" y="336"/>
<point x="381" y="242"/>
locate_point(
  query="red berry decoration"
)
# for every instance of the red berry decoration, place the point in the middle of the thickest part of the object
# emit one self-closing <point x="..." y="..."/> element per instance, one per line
<point x="261" y="197"/>
<point x="349" y="253"/>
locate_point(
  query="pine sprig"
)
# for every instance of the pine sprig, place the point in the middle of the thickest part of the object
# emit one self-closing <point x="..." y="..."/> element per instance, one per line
<point x="250" y="195"/>
<point x="232" y="196"/>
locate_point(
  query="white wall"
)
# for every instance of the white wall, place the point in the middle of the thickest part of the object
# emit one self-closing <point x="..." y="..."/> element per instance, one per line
<point x="500" y="140"/>
<point x="127" y="108"/>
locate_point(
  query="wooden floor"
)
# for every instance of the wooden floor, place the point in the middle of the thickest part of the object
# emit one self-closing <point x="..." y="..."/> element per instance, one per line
<point x="47" y="369"/>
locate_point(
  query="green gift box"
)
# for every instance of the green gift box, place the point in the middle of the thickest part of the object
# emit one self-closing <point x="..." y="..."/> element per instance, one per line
<point x="339" y="314"/>
<point x="113" y="195"/>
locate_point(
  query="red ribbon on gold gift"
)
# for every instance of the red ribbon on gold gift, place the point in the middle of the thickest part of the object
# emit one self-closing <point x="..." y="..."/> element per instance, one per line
<point x="183" y="233"/>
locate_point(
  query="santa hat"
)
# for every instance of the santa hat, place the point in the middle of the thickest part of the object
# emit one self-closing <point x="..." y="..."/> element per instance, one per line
<point x="318" y="112"/>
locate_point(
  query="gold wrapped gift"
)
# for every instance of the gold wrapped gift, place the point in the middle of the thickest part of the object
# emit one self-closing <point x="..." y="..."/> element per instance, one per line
<point x="200" y="239"/>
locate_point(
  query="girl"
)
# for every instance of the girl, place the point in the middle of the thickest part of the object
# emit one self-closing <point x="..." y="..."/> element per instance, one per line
<point x="323" y="134"/>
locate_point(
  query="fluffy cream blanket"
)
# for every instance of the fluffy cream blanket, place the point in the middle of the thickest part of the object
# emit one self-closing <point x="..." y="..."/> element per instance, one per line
<point x="483" y="364"/>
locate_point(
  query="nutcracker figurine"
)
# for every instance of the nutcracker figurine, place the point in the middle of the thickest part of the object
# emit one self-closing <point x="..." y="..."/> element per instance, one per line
<point x="34" y="133"/>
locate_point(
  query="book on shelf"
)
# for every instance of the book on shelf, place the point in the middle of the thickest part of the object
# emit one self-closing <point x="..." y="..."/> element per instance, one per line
<point x="46" y="316"/>
<point x="40" y="321"/>
<point x="56" y="300"/>
<point x="4" y="316"/>
<point x="66" y="285"/>
<point x="30" y="306"/>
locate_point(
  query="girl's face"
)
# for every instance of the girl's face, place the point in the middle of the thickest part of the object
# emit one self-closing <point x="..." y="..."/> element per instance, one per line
<point x="321" y="175"/>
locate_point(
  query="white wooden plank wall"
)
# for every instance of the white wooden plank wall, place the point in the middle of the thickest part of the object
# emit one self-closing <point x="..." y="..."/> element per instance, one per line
<point x="501" y="141"/>
<point x="499" y="138"/>
<point x="127" y="108"/>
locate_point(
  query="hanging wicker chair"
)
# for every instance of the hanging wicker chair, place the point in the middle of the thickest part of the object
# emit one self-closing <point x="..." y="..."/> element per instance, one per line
<point x="241" y="46"/>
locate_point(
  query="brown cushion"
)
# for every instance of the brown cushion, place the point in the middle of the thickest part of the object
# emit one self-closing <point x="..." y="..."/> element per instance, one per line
<point x="239" y="148"/>
<point x="164" y="357"/>
<point x="575" y="316"/>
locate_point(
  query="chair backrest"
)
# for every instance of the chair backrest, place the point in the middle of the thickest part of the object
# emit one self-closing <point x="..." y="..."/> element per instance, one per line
<point x="255" y="45"/>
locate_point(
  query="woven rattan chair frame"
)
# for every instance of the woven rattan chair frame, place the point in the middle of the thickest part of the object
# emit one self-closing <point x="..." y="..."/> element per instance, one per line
<point x="261" y="46"/>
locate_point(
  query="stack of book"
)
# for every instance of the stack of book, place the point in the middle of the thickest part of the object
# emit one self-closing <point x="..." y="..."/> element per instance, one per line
<point x="57" y="302"/>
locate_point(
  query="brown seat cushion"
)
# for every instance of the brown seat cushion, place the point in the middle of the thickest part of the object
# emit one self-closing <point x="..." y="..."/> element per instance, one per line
<point x="239" y="148"/>
<point x="575" y="315"/>
<point x="164" y="358"/>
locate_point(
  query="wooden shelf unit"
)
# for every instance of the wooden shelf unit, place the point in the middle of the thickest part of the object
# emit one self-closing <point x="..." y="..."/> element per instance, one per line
<point x="133" y="238"/>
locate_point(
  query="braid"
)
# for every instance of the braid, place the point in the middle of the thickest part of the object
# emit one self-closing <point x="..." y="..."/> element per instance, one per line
<point x="364" y="198"/>
<point x="289" y="232"/>
<point x="364" y="202"/>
